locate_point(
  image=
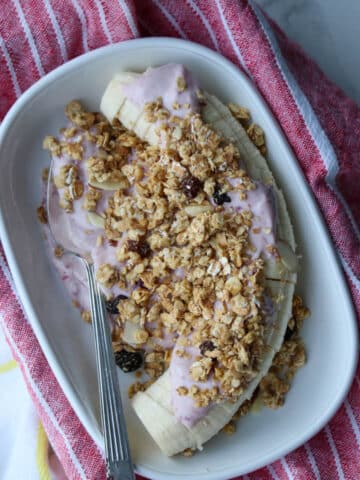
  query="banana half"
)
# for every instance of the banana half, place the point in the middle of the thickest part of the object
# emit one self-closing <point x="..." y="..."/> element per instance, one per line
<point x="153" y="406"/>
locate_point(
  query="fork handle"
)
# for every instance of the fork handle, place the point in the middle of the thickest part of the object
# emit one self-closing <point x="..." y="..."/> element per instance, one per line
<point x="118" y="459"/>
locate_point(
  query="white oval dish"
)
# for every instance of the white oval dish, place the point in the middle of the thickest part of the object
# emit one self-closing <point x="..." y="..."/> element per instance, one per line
<point x="330" y="334"/>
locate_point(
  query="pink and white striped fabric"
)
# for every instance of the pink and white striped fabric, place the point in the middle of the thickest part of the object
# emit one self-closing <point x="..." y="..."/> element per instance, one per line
<point x="320" y="122"/>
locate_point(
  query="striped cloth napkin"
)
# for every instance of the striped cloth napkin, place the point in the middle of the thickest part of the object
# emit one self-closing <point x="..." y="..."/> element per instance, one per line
<point x="321" y="124"/>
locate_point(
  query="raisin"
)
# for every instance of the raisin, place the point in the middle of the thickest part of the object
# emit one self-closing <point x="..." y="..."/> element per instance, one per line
<point x="111" y="305"/>
<point x="220" y="198"/>
<point x="128" y="361"/>
<point x="191" y="186"/>
<point x="289" y="334"/>
<point x="139" y="246"/>
<point x="206" y="346"/>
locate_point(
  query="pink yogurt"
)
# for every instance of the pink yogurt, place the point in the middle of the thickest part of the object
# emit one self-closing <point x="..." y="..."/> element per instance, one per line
<point x="162" y="82"/>
<point x="261" y="203"/>
<point x="184" y="408"/>
<point x="76" y="227"/>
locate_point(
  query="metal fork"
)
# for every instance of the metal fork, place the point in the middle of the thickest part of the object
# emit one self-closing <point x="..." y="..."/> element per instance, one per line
<point x="118" y="459"/>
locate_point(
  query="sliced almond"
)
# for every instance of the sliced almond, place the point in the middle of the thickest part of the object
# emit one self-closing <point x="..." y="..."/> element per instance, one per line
<point x="120" y="185"/>
<point x="194" y="210"/>
<point x="96" y="220"/>
<point x="287" y="256"/>
<point x="129" y="333"/>
<point x="177" y="133"/>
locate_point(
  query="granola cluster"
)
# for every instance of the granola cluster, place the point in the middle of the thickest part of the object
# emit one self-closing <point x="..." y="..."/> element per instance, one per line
<point x="274" y="386"/>
<point x="276" y="383"/>
<point x="254" y="132"/>
<point x="113" y="146"/>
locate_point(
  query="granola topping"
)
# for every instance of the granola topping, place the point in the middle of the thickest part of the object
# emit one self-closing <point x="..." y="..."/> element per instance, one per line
<point x="172" y="227"/>
<point x="184" y="225"/>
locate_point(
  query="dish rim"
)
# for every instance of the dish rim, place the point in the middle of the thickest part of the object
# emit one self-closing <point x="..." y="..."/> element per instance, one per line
<point x="58" y="371"/>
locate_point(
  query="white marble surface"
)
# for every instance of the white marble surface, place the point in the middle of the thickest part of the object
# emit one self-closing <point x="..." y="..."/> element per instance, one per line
<point x="328" y="31"/>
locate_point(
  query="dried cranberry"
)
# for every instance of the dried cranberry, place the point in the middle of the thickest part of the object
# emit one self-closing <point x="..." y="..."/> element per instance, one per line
<point x="191" y="186"/>
<point x="220" y="198"/>
<point x="128" y="361"/>
<point x="111" y="305"/>
<point x="139" y="246"/>
<point x="206" y="346"/>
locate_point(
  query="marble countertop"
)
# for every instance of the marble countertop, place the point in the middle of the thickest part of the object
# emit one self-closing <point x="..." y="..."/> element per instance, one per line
<point x="328" y="31"/>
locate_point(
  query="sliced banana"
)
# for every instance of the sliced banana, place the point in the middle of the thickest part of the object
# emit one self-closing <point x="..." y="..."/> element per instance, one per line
<point x="115" y="104"/>
<point x="113" y="97"/>
<point x="153" y="406"/>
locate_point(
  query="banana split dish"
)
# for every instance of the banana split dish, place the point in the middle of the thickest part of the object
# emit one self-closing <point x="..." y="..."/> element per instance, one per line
<point x="168" y="191"/>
